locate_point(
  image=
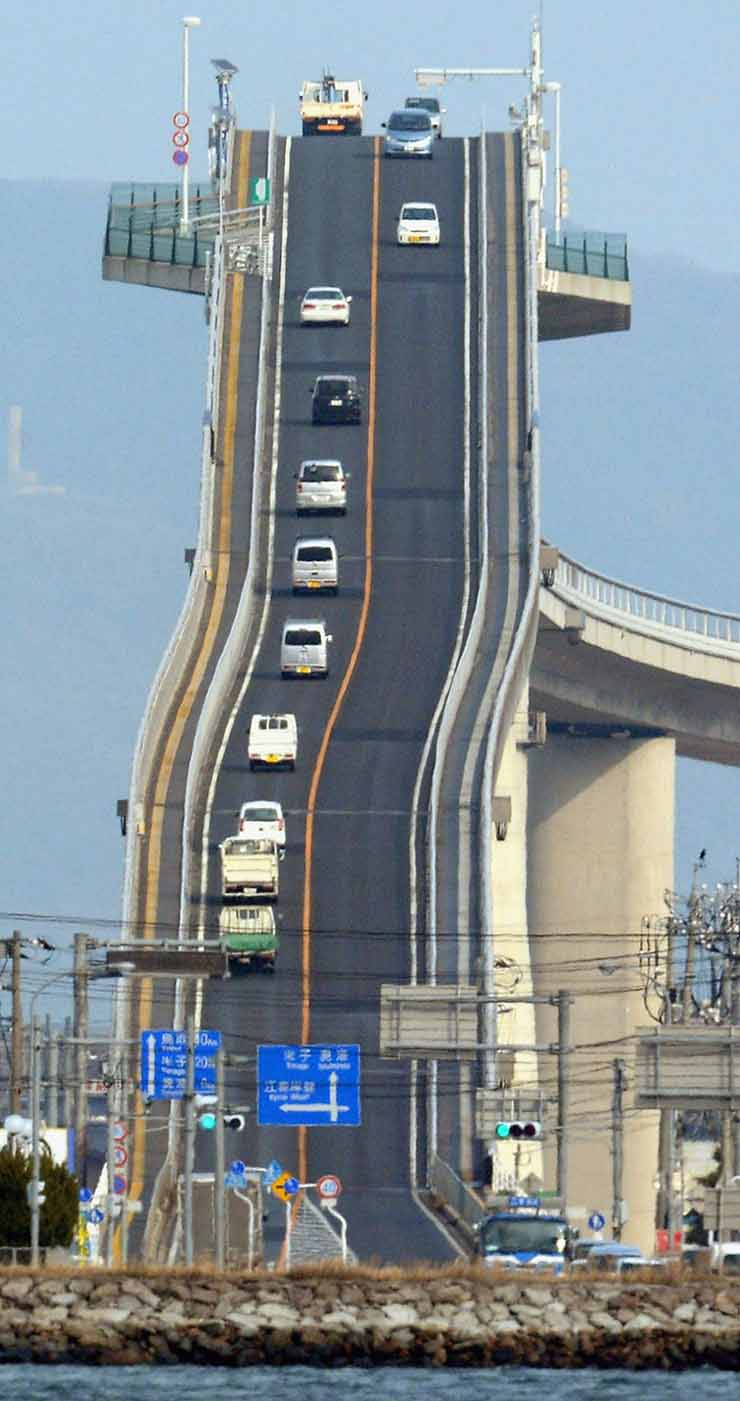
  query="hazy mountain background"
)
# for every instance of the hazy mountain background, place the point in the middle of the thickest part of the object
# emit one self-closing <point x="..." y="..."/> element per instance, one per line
<point x="640" y="435"/>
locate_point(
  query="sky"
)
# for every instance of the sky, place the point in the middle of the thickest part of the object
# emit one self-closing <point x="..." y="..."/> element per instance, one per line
<point x="640" y="430"/>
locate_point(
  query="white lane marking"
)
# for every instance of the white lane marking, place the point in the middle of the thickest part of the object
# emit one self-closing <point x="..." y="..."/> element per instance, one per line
<point x="270" y="550"/>
<point x="413" y="875"/>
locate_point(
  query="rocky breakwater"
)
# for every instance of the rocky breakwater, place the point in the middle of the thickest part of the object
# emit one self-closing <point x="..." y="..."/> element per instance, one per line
<point x="436" y="1319"/>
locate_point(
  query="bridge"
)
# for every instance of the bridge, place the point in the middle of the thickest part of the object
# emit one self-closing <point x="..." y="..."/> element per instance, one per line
<point x="455" y="630"/>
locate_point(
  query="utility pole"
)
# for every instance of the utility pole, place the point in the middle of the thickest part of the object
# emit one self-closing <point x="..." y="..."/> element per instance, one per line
<point x="189" y="1140"/>
<point x="735" y="1019"/>
<point x="564" y="1003"/>
<point x="110" y="1155"/>
<point x="36" y="1139"/>
<point x="666" y="1132"/>
<point x="618" y="1148"/>
<point x="218" y="1186"/>
<point x="16" y="1042"/>
<point x="81" y="978"/>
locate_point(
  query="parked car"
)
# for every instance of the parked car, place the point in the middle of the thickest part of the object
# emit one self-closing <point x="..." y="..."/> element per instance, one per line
<point x="321" y="486"/>
<point x="603" y="1255"/>
<point x="409" y="133"/>
<point x="335" y="399"/>
<point x="304" y="649"/>
<point x="324" y="306"/>
<point x="315" y="565"/>
<point x="263" y="819"/>
<point x="418" y="223"/>
<point x="430" y="105"/>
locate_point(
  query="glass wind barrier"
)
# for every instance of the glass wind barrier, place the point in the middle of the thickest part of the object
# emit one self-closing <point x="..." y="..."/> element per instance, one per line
<point x="144" y="222"/>
<point x="590" y="254"/>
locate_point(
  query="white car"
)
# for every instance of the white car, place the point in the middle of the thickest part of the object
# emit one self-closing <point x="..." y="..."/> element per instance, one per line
<point x="262" y="819"/>
<point x="324" y="306"/>
<point x="418" y="223"/>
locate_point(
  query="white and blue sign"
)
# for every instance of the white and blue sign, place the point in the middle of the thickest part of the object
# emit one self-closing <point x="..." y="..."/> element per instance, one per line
<point x="273" y="1171"/>
<point x="164" y="1063"/>
<point x="524" y="1203"/>
<point x="304" y="1085"/>
<point x="596" y="1221"/>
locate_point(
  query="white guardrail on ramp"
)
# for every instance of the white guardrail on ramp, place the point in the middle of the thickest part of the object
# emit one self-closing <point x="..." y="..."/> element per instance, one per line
<point x="654" y="615"/>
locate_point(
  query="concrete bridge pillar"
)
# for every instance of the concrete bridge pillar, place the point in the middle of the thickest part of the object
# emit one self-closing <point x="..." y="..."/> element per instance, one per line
<point x="600" y="855"/>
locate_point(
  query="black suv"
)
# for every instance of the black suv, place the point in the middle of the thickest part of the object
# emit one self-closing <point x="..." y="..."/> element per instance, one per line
<point x="335" y="399"/>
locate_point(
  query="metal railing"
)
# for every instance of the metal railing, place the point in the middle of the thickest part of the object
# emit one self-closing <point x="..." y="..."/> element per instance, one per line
<point x="590" y="254"/>
<point x="445" y="1182"/>
<point x="684" y="624"/>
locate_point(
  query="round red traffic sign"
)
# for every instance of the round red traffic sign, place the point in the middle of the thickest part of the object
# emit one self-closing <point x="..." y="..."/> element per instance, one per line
<point x="180" y="157"/>
<point x="181" y="119"/>
<point x="329" y="1187"/>
<point x="180" y="138"/>
<point x="120" y="1155"/>
<point x="120" y="1185"/>
<point x="120" y="1129"/>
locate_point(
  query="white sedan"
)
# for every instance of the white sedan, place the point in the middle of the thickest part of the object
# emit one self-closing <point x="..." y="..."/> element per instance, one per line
<point x="262" y="819"/>
<point x="418" y="223"/>
<point x="324" y="305"/>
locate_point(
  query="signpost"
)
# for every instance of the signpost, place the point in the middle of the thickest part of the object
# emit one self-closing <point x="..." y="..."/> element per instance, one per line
<point x="308" y="1085"/>
<point x="164" y="1063"/>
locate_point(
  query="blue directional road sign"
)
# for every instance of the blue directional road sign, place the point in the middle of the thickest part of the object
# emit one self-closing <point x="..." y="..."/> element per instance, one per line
<point x="596" y="1221"/>
<point x="308" y="1085"/>
<point x="164" y="1063"/>
<point x="273" y="1171"/>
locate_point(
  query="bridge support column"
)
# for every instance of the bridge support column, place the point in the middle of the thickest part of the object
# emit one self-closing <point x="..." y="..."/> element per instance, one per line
<point x="514" y="1165"/>
<point x="600" y="855"/>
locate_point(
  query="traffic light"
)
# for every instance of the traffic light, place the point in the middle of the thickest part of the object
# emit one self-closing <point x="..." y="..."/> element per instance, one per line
<point x="234" y="1121"/>
<point x="518" y="1130"/>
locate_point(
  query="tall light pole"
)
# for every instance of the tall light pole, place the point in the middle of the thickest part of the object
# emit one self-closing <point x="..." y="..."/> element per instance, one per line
<point x="555" y="88"/>
<point x="189" y="22"/>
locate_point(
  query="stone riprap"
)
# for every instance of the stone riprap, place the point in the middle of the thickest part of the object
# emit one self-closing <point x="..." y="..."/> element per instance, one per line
<point x="103" y="1317"/>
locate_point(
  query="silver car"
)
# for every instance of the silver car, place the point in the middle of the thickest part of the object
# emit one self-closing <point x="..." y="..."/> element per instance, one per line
<point x="321" y="486"/>
<point x="430" y="105"/>
<point x="409" y="133"/>
<point x="304" y="649"/>
<point x="315" y="565"/>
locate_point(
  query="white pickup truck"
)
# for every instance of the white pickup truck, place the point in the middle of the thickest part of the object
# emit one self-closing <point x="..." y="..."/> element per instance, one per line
<point x="273" y="741"/>
<point x="249" y="868"/>
<point x="332" y="106"/>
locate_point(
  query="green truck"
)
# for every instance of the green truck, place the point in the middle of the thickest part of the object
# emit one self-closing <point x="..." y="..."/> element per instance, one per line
<point x="249" y="936"/>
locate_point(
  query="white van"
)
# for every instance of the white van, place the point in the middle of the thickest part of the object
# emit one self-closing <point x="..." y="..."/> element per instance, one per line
<point x="315" y="564"/>
<point x="273" y="741"/>
<point x="304" y="649"/>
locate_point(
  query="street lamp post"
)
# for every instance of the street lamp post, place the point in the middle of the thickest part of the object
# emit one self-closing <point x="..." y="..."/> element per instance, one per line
<point x="189" y="22"/>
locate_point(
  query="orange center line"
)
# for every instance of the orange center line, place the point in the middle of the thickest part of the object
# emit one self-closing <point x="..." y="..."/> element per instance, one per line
<point x="359" y="639"/>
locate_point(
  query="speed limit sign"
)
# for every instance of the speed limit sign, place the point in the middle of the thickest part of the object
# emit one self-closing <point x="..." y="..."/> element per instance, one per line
<point x="329" y="1187"/>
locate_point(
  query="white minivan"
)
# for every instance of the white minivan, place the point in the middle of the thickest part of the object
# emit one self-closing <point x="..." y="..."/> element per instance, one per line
<point x="304" y="649"/>
<point x="315" y="564"/>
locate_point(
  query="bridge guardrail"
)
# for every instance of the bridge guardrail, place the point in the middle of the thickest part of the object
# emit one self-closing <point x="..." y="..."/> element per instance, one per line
<point x="197" y="588"/>
<point x="588" y="254"/>
<point x="445" y="1182"/>
<point x="669" y="619"/>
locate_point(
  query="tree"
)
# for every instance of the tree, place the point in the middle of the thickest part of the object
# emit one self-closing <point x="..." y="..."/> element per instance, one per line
<point x="59" y="1210"/>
